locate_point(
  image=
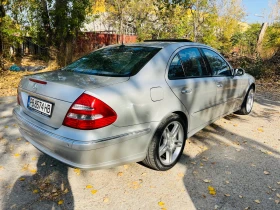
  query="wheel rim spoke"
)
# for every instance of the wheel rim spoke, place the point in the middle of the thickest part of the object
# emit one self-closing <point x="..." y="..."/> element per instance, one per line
<point x="175" y="130"/>
<point x="162" y="150"/>
<point x="171" y="142"/>
<point x="168" y="156"/>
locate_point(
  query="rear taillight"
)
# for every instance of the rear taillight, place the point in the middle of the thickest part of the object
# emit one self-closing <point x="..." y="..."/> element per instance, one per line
<point x="88" y="113"/>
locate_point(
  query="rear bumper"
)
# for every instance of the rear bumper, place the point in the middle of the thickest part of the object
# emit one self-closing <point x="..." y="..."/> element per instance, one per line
<point x="101" y="153"/>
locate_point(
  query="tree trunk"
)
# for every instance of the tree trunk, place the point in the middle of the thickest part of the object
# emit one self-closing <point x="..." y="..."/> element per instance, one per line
<point x="261" y="36"/>
<point x="46" y="23"/>
<point x="65" y="53"/>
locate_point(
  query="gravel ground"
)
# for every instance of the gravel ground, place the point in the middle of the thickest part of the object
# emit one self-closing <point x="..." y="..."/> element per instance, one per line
<point x="231" y="164"/>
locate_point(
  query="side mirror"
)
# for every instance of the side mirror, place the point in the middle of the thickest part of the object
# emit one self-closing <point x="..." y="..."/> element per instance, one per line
<point x="239" y="72"/>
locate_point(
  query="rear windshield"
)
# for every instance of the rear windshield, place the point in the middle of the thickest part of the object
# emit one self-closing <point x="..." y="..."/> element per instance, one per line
<point x="120" y="61"/>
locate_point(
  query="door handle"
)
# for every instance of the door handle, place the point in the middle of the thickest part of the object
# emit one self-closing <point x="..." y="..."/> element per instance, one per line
<point x="186" y="90"/>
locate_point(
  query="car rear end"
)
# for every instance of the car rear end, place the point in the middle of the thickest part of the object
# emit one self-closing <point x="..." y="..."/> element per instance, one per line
<point x="65" y="115"/>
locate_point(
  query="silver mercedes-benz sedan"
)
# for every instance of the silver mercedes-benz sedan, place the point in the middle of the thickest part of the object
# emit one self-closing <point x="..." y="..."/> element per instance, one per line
<point x="130" y="103"/>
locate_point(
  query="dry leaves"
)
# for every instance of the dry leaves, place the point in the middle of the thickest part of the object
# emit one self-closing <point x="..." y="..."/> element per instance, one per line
<point x="266" y="172"/>
<point x="21" y="179"/>
<point x="260" y="130"/>
<point x="240" y="196"/>
<point x="181" y="174"/>
<point x="16" y="155"/>
<point x="227" y="195"/>
<point x="278" y="195"/>
<point x="211" y="190"/>
<point x="105" y="199"/>
<point x="88" y="186"/>
<point x="60" y="202"/>
<point x="207" y="180"/>
<point x="257" y="201"/>
<point x="120" y="174"/>
<point x="35" y="191"/>
<point x="161" y="204"/>
<point x="77" y="171"/>
<point x="93" y="191"/>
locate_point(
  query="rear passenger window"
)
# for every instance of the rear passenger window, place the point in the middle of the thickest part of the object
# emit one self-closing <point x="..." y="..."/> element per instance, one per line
<point x="175" y="70"/>
<point x="218" y="65"/>
<point x="192" y="63"/>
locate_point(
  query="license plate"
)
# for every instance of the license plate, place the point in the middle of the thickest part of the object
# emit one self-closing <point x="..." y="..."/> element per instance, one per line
<point x="43" y="107"/>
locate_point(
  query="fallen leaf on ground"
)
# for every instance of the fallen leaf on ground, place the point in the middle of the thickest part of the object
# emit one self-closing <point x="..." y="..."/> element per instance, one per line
<point x="228" y="172"/>
<point x="257" y="201"/>
<point x="77" y="171"/>
<point x="260" y="130"/>
<point x="207" y="180"/>
<point x="35" y="191"/>
<point x="43" y="164"/>
<point x="247" y="208"/>
<point x="278" y="195"/>
<point x="33" y="171"/>
<point x="266" y="172"/>
<point x="93" y="192"/>
<point x="21" y="179"/>
<point x="60" y="202"/>
<point x="227" y="195"/>
<point x="120" y="174"/>
<point x="278" y="182"/>
<point x="277" y="201"/>
<point x="181" y="174"/>
<point x="227" y="182"/>
<point x="106" y="199"/>
<point x="16" y="155"/>
<point x="18" y="139"/>
<point x="88" y="186"/>
<point x="161" y="203"/>
<point x="34" y="158"/>
<point x="212" y="190"/>
<point x="240" y="196"/>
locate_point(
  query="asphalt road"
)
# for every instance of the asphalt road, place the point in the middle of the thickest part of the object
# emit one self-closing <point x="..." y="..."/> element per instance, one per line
<point x="231" y="164"/>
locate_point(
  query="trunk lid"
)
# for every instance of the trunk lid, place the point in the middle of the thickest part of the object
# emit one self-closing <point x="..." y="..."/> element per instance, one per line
<point x="61" y="90"/>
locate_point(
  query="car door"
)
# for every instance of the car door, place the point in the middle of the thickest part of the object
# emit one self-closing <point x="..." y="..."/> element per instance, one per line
<point x="228" y="87"/>
<point x="193" y="85"/>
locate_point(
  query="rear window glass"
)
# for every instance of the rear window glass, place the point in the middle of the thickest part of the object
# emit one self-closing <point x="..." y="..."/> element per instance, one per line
<point x="120" y="61"/>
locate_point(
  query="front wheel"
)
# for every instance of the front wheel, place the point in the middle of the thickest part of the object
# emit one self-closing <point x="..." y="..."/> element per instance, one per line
<point x="167" y="144"/>
<point x="247" y="105"/>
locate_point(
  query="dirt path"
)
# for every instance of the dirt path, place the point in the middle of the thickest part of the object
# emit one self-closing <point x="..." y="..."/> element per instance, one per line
<point x="238" y="156"/>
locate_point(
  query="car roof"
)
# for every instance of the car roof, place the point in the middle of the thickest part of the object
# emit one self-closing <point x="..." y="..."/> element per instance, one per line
<point x="163" y="44"/>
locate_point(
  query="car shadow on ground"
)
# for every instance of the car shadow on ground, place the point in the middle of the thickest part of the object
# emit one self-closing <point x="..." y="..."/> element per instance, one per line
<point x="244" y="173"/>
<point x="49" y="188"/>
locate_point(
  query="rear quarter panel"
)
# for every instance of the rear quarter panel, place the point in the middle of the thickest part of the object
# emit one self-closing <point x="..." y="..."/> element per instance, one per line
<point x="132" y="99"/>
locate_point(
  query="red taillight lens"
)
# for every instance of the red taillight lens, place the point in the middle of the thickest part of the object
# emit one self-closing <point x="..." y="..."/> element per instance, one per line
<point x="88" y="113"/>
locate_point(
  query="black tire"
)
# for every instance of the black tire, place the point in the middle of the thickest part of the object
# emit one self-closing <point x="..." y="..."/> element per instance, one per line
<point x="152" y="159"/>
<point x="244" y="110"/>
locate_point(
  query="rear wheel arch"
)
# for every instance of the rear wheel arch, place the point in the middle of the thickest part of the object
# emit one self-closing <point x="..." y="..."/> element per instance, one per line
<point x="184" y="118"/>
